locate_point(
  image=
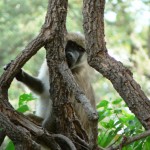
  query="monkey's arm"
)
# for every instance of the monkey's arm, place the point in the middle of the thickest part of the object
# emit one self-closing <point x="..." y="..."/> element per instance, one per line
<point x="31" y="82"/>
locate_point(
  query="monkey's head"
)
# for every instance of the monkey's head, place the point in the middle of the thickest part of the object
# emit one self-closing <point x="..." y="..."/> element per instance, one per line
<point x="75" y="50"/>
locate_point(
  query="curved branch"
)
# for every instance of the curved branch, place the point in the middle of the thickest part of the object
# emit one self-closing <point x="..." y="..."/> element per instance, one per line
<point x="54" y="27"/>
<point x="113" y="70"/>
<point x="130" y="140"/>
<point x="20" y="60"/>
<point x="51" y="140"/>
<point x="82" y="142"/>
<point x="21" y="138"/>
<point x="46" y="35"/>
<point x="79" y="94"/>
<point x="137" y="137"/>
<point x="63" y="139"/>
<point x="2" y="136"/>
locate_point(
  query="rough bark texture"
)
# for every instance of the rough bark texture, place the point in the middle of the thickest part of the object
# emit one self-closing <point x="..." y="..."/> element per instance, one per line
<point x="55" y="54"/>
<point x="23" y="132"/>
<point x="113" y="70"/>
<point x="47" y="33"/>
<point x="52" y="37"/>
<point x="19" y="136"/>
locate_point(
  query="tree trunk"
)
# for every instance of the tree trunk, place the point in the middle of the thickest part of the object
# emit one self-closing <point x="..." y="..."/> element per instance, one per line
<point x="98" y="58"/>
<point x="27" y="135"/>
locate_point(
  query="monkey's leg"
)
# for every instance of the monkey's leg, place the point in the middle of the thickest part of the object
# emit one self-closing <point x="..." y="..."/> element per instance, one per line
<point x="33" y="83"/>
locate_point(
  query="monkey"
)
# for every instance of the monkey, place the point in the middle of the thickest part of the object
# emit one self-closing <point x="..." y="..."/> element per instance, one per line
<point x="76" y="58"/>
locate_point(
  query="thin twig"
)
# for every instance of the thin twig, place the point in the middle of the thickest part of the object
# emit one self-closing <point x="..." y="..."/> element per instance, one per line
<point x="131" y="140"/>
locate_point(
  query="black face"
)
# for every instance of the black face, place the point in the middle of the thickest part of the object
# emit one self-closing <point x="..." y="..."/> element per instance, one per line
<point x="74" y="53"/>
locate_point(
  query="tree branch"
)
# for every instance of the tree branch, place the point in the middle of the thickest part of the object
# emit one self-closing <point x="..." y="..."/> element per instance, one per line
<point x="46" y="35"/>
<point x="20" y="60"/>
<point x="130" y="140"/>
<point x="2" y="136"/>
<point x="65" y="140"/>
<point x="50" y="140"/>
<point x="79" y="94"/>
<point x="21" y="138"/>
<point x="113" y="70"/>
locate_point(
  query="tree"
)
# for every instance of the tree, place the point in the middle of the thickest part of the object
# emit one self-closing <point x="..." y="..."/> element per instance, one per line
<point x="22" y="131"/>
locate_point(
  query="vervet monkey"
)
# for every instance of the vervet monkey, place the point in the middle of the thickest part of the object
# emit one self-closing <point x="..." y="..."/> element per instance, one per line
<point x="77" y="61"/>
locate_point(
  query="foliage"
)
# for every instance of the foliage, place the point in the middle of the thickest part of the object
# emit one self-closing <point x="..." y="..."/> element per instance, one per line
<point x="10" y="146"/>
<point x="22" y="107"/>
<point x="117" y="122"/>
<point x="23" y="100"/>
<point x="127" y="35"/>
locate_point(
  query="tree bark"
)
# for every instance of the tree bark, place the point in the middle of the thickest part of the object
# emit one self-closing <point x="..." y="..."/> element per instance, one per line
<point x="23" y="132"/>
<point x="98" y="58"/>
<point x="52" y="37"/>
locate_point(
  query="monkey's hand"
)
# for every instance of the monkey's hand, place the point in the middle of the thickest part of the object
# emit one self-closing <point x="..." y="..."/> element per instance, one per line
<point x="7" y="66"/>
<point x="19" y="75"/>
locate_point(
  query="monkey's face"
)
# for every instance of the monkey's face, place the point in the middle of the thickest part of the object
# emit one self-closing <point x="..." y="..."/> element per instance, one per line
<point x="74" y="54"/>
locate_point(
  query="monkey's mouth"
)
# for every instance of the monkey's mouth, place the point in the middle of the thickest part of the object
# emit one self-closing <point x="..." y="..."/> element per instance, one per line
<point x="69" y="64"/>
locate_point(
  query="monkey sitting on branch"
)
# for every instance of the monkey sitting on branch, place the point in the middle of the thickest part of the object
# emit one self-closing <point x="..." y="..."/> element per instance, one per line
<point x="77" y="61"/>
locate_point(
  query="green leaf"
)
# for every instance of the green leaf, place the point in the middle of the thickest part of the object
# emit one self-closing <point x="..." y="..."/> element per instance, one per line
<point x="103" y="114"/>
<point x="125" y="119"/>
<point x="118" y="111"/>
<point x="102" y="138"/>
<point x="146" y="144"/>
<point x="23" y="108"/>
<point x="119" y="128"/>
<point x="103" y="103"/>
<point x="111" y="123"/>
<point x="24" y="98"/>
<point x="105" y="125"/>
<point x="129" y="147"/>
<point x="10" y="146"/>
<point x="128" y="115"/>
<point x="110" y="137"/>
<point x="138" y="145"/>
<point x="117" y="101"/>
<point x="105" y="138"/>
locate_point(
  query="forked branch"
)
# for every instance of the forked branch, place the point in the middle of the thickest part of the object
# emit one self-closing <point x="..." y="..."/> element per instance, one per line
<point x="53" y="24"/>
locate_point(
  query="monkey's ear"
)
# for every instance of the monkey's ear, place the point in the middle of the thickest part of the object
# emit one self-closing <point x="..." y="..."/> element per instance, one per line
<point x="7" y="65"/>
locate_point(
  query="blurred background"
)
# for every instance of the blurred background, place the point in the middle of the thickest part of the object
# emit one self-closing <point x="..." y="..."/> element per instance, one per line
<point x="127" y="30"/>
<point x="127" y="33"/>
